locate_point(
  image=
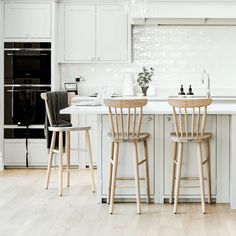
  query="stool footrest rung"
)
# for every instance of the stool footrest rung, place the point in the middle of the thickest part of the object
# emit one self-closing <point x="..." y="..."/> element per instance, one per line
<point x="128" y="178"/>
<point x="141" y="162"/>
<point x="189" y="186"/>
<point x="55" y="151"/>
<point x="125" y="186"/>
<point x="191" y="178"/>
<point x="204" y="162"/>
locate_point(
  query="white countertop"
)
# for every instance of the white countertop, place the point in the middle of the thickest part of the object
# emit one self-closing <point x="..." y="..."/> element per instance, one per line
<point x="153" y="107"/>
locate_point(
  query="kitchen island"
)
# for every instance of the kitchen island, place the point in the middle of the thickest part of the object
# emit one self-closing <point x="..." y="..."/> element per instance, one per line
<point x="157" y="120"/>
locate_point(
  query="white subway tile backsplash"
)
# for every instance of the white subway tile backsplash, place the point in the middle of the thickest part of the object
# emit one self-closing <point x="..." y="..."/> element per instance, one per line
<point x="178" y="53"/>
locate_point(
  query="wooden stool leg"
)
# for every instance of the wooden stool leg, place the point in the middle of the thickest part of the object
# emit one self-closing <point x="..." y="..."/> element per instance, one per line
<point x="114" y="173"/>
<point x="208" y="158"/>
<point x="110" y="172"/>
<point x="146" y="171"/>
<point x="173" y="172"/>
<point x="50" y="159"/>
<point x="136" y="171"/>
<point x="60" y="162"/>
<point x="90" y="159"/>
<point x="68" y="156"/>
<point x="201" y="178"/>
<point x="178" y="175"/>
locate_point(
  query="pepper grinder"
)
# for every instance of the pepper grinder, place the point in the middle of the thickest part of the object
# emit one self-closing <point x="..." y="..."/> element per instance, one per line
<point x="190" y="91"/>
<point x="181" y="92"/>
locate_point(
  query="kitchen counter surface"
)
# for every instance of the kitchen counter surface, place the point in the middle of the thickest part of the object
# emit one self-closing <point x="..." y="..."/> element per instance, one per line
<point x="153" y="107"/>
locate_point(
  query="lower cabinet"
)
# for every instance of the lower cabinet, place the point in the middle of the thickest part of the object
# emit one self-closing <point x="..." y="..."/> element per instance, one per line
<point x="15" y="152"/>
<point x="125" y="162"/>
<point x="190" y="161"/>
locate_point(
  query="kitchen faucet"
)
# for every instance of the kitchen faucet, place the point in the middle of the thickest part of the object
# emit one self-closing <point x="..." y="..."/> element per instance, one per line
<point x="204" y="74"/>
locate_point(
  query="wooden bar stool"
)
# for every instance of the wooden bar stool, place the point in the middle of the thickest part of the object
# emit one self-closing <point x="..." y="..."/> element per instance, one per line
<point x="125" y="122"/>
<point x="59" y="151"/>
<point x="193" y="111"/>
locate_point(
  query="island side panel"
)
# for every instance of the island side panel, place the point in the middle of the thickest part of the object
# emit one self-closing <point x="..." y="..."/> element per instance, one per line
<point x="233" y="162"/>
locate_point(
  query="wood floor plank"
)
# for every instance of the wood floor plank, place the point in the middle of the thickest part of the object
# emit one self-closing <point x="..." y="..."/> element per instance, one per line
<point x="26" y="208"/>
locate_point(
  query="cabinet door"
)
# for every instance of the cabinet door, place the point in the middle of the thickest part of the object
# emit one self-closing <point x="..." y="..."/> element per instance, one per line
<point x="112" y="33"/>
<point x="27" y="20"/>
<point x="126" y="162"/>
<point x="190" y="163"/>
<point x="38" y="152"/>
<point x="15" y="152"/>
<point x="79" y="32"/>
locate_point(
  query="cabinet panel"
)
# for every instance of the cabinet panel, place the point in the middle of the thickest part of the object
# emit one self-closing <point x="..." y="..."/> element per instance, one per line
<point x="125" y="163"/>
<point x="190" y="164"/>
<point x="27" y="20"/>
<point x="79" y="33"/>
<point x="15" y="152"/>
<point x="112" y="33"/>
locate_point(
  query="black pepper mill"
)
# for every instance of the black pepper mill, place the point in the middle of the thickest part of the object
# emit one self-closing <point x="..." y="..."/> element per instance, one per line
<point x="181" y="92"/>
<point x="190" y="91"/>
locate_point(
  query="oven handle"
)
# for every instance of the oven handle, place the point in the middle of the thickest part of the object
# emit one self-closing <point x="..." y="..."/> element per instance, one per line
<point x="27" y="49"/>
<point x="41" y="54"/>
<point x="25" y="90"/>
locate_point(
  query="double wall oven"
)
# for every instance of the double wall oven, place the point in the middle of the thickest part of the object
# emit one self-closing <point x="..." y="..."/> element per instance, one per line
<point x="27" y="73"/>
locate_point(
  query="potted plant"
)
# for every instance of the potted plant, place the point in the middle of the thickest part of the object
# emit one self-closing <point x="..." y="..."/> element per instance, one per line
<point x="144" y="79"/>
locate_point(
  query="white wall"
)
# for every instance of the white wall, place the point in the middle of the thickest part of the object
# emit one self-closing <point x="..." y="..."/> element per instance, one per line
<point x="178" y="54"/>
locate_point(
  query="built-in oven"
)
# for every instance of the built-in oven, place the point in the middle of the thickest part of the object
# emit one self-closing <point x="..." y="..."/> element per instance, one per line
<point x="23" y="105"/>
<point x="27" y="63"/>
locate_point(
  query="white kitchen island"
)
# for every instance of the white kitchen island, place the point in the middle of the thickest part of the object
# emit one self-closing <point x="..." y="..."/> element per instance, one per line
<point x="157" y="120"/>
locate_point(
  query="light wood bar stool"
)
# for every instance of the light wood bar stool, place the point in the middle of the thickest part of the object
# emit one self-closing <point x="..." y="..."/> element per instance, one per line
<point x="125" y="122"/>
<point x="192" y="111"/>
<point x="59" y="151"/>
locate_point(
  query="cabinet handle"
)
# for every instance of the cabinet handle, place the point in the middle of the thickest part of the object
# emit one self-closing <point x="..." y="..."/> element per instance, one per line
<point x="99" y="58"/>
<point x="149" y="118"/>
<point x="168" y="118"/>
<point x="93" y="58"/>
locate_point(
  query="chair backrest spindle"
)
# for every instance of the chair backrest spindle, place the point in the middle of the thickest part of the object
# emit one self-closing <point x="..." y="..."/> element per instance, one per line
<point x="129" y="113"/>
<point x="181" y="119"/>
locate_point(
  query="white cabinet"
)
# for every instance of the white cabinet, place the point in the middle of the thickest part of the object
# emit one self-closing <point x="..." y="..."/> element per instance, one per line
<point x="112" y="33"/>
<point x="125" y="163"/>
<point x="190" y="164"/>
<point x="15" y="152"/>
<point x="27" y="20"/>
<point x="79" y="33"/>
<point x="94" y="33"/>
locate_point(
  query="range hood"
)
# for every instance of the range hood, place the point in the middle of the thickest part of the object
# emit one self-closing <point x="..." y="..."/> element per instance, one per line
<point x="184" y="14"/>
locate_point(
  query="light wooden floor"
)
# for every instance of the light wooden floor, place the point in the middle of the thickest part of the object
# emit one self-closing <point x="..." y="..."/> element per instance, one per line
<point x="26" y="209"/>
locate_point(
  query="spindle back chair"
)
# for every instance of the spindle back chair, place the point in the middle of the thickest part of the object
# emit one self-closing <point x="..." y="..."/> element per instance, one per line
<point x="196" y="110"/>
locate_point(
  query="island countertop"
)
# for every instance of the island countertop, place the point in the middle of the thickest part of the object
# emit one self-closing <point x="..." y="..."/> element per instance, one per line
<point x="153" y="107"/>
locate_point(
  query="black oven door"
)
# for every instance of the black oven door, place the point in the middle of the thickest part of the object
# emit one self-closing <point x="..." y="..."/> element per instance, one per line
<point x="23" y="105"/>
<point x="27" y="66"/>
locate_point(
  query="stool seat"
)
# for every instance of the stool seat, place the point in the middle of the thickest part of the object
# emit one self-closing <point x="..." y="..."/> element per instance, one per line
<point x="128" y="137"/>
<point x="189" y="138"/>
<point x="69" y="128"/>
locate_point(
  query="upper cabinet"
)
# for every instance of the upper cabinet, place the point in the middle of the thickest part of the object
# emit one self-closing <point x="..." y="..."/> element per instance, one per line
<point x="112" y="34"/>
<point x="79" y="33"/>
<point x="27" y="20"/>
<point x="94" y="33"/>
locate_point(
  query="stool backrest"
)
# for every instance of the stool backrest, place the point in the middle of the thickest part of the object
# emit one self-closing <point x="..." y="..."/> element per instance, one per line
<point x="125" y="117"/>
<point x="182" y="109"/>
<point x="44" y="97"/>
